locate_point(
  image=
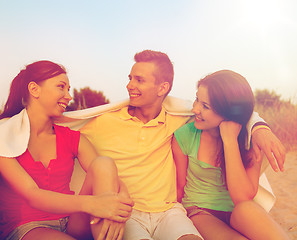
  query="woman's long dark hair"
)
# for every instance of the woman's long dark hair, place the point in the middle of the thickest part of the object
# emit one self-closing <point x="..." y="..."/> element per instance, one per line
<point x="231" y="97"/>
<point x="19" y="94"/>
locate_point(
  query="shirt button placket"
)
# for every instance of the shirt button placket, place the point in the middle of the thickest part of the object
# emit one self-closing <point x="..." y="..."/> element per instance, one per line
<point x="48" y="170"/>
<point x="142" y="137"/>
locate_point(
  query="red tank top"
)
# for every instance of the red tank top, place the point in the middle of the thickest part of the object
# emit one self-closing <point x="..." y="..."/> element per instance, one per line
<point x="14" y="210"/>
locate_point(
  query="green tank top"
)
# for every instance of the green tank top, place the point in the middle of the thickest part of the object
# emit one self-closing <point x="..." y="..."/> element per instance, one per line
<point x="205" y="185"/>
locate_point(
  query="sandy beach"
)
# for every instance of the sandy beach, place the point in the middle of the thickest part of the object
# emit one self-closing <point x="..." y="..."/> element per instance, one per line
<point x="284" y="186"/>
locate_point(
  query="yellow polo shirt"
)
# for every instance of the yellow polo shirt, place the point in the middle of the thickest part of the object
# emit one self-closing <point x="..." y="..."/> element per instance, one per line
<point x="142" y="153"/>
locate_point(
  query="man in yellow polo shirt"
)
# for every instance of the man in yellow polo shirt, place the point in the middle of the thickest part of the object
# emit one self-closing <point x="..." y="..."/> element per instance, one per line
<point x="138" y="137"/>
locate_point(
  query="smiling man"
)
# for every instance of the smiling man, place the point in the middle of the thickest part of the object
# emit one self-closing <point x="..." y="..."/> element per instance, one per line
<point x="146" y="92"/>
<point x="138" y="137"/>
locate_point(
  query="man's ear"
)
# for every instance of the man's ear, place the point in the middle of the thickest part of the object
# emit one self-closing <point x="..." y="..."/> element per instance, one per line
<point x="34" y="89"/>
<point x="163" y="89"/>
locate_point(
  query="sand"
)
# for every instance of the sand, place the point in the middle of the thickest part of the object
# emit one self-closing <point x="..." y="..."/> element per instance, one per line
<point x="284" y="186"/>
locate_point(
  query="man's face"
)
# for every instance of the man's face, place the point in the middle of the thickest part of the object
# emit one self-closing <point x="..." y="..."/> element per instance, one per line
<point x="142" y="89"/>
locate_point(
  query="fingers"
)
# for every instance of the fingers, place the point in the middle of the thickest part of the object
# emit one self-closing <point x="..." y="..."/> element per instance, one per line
<point x="125" y="208"/>
<point x="276" y="156"/>
<point x="257" y="153"/>
<point x="281" y="157"/>
<point x="120" y="219"/>
<point x="271" y="159"/>
<point x="279" y="153"/>
<point x="122" y="213"/>
<point x="121" y="232"/>
<point x="104" y="230"/>
<point x="272" y="148"/>
<point x="127" y="201"/>
<point x="110" y="206"/>
<point x="111" y="230"/>
<point x="125" y="213"/>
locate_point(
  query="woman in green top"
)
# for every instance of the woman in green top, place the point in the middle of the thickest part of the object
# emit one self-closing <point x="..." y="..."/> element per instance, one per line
<point x="217" y="178"/>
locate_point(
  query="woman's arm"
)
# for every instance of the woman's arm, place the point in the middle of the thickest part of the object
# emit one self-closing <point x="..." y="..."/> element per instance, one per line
<point x="112" y="206"/>
<point x="55" y="202"/>
<point x="181" y="163"/>
<point x="242" y="183"/>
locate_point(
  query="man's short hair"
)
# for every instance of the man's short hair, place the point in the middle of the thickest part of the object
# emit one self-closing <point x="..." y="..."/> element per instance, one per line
<point x="164" y="66"/>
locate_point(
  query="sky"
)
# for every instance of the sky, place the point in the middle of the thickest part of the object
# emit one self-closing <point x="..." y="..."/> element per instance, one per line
<point x="96" y="41"/>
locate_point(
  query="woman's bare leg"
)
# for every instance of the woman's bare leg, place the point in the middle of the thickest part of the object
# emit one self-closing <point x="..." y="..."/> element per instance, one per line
<point x="101" y="178"/>
<point x="46" y="234"/>
<point x="254" y="222"/>
<point x="210" y="227"/>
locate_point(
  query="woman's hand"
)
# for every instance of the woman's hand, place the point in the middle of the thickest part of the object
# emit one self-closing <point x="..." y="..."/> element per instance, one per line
<point x="111" y="230"/>
<point x="111" y="206"/>
<point x="229" y="131"/>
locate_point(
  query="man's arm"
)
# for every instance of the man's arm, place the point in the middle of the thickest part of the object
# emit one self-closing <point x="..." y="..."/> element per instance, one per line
<point x="264" y="141"/>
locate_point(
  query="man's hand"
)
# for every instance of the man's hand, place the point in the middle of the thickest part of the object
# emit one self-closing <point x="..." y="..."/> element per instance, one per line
<point x="264" y="140"/>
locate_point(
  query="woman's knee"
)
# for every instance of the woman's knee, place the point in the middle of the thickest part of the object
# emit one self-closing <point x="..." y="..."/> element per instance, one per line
<point x="101" y="165"/>
<point x="243" y="207"/>
<point x="102" y="176"/>
<point x="189" y="237"/>
<point x="245" y="211"/>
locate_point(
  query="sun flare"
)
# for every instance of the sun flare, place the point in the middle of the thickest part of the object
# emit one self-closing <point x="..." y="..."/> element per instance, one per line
<point x="262" y="14"/>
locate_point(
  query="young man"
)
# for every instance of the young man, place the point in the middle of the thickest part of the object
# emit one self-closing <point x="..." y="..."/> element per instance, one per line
<point x="138" y="137"/>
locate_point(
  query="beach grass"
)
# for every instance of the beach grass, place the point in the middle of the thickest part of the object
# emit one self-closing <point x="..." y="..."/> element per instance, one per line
<point x="281" y="116"/>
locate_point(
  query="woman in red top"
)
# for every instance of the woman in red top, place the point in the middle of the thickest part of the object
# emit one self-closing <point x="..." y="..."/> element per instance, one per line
<point x="36" y="201"/>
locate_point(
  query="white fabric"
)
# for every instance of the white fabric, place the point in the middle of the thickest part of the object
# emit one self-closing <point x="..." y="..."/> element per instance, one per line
<point x="171" y="224"/>
<point x="15" y="133"/>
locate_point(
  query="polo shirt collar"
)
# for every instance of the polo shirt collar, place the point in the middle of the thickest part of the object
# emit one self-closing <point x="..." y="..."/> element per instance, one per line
<point x="159" y="119"/>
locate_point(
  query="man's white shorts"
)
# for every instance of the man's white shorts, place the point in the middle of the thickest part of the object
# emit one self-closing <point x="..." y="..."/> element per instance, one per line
<point x="167" y="225"/>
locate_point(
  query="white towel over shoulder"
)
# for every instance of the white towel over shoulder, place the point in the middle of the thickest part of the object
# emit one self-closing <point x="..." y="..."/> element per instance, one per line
<point x="15" y="133"/>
